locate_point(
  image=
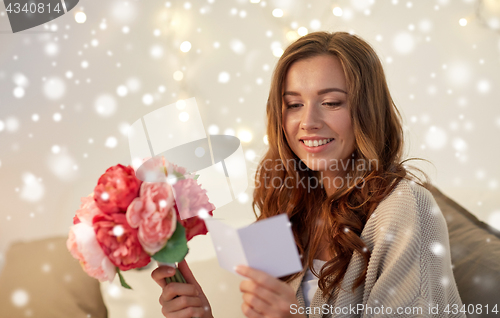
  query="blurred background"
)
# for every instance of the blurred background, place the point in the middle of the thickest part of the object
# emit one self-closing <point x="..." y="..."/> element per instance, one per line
<point x="70" y="88"/>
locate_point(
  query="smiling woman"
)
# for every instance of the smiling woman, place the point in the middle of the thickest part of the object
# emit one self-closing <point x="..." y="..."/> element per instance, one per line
<point x="371" y="236"/>
<point x="373" y="241"/>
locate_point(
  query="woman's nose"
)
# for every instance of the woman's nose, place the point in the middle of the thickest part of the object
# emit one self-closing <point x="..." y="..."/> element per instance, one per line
<point x="311" y="117"/>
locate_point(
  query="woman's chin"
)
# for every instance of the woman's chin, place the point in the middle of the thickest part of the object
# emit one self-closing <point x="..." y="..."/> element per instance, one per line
<point x="316" y="166"/>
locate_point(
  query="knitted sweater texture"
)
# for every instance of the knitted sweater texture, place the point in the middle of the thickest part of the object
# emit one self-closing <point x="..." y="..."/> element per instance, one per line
<point x="409" y="273"/>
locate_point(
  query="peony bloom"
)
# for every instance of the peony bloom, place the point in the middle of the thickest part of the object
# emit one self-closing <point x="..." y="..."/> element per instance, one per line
<point x="116" y="188"/>
<point x="194" y="226"/>
<point x="190" y="198"/>
<point x="119" y="241"/>
<point x="152" y="212"/>
<point x="88" y="209"/>
<point x="191" y="202"/>
<point x="83" y="245"/>
<point x="171" y="167"/>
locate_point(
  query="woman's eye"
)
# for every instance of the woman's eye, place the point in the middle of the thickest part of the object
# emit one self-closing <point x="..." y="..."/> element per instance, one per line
<point x="293" y="105"/>
<point x="333" y="104"/>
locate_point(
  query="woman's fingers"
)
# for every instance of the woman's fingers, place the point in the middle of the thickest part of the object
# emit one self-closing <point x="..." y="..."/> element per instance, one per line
<point x="183" y="313"/>
<point x="186" y="272"/>
<point x="161" y="273"/>
<point x="251" y="287"/>
<point x="256" y="303"/>
<point x="262" y="278"/>
<point x="172" y="290"/>
<point x="249" y="311"/>
<point x="182" y="302"/>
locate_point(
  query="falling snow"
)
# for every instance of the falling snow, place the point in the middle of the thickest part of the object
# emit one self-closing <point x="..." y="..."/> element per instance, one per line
<point x="70" y="91"/>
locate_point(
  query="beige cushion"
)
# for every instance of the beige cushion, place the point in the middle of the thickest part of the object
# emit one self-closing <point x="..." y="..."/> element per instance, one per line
<point x="41" y="279"/>
<point x="475" y="255"/>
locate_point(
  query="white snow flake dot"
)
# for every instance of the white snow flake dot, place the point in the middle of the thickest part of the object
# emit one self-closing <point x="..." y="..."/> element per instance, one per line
<point x="133" y="84"/>
<point x="135" y="311"/>
<point x="105" y="105"/>
<point x="438" y="249"/>
<point x="185" y="46"/>
<point x="237" y="46"/>
<point x="483" y="86"/>
<point x="105" y="196"/>
<point x="278" y="13"/>
<point x="337" y="11"/>
<point x="80" y="17"/>
<point x="18" y="92"/>
<point x="12" y="124"/>
<point x="118" y="230"/>
<point x="403" y="43"/>
<point x="162" y="203"/>
<point x="114" y="291"/>
<point x="203" y="213"/>
<point x="54" y="88"/>
<point x="46" y="268"/>
<point x="124" y="128"/>
<point x="156" y="51"/>
<point x="213" y="129"/>
<point x="147" y="99"/>
<point x="436" y="137"/>
<point x="20" y="298"/>
<point x="224" y="77"/>
<point x="178" y="75"/>
<point x="122" y="91"/>
<point x="243" y="198"/>
<point x="33" y="189"/>
<point x="111" y="142"/>
<point x="57" y="117"/>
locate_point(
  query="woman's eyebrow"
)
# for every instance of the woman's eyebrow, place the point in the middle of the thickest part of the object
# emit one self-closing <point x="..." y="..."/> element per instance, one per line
<point x="320" y="92"/>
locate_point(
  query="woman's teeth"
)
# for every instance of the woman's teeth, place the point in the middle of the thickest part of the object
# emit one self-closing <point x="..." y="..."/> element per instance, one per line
<point x="316" y="143"/>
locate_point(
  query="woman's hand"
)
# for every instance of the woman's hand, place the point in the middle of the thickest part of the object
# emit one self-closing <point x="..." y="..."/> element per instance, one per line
<point x="179" y="300"/>
<point x="265" y="295"/>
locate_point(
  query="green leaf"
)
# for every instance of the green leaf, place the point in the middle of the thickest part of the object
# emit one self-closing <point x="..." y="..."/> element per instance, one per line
<point x="178" y="175"/>
<point x="196" y="176"/>
<point x="122" y="280"/>
<point x="176" y="248"/>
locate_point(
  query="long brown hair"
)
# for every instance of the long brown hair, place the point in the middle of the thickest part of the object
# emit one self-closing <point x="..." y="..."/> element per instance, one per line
<point x="341" y="217"/>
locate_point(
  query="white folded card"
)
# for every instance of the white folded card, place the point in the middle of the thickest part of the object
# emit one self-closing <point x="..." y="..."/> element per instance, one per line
<point x="266" y="245"/>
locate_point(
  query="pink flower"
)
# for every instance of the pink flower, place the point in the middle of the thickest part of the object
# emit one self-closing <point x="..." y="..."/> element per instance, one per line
<point x="191" y="204"/>
<point x="171" y="167"/>
<point x="88" y="209"/>
<point x="152" y="212"/>
<point x="119" y="241"/>
<point x="191" y="199"/>
<point x="83" y="245"/>
<point x="116" y="188"/>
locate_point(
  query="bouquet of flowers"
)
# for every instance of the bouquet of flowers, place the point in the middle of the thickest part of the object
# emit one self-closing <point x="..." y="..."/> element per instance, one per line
<point x="125" y="222"/>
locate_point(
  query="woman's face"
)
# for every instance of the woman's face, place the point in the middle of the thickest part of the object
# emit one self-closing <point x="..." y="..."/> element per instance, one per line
<point x="316" y="112"/>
